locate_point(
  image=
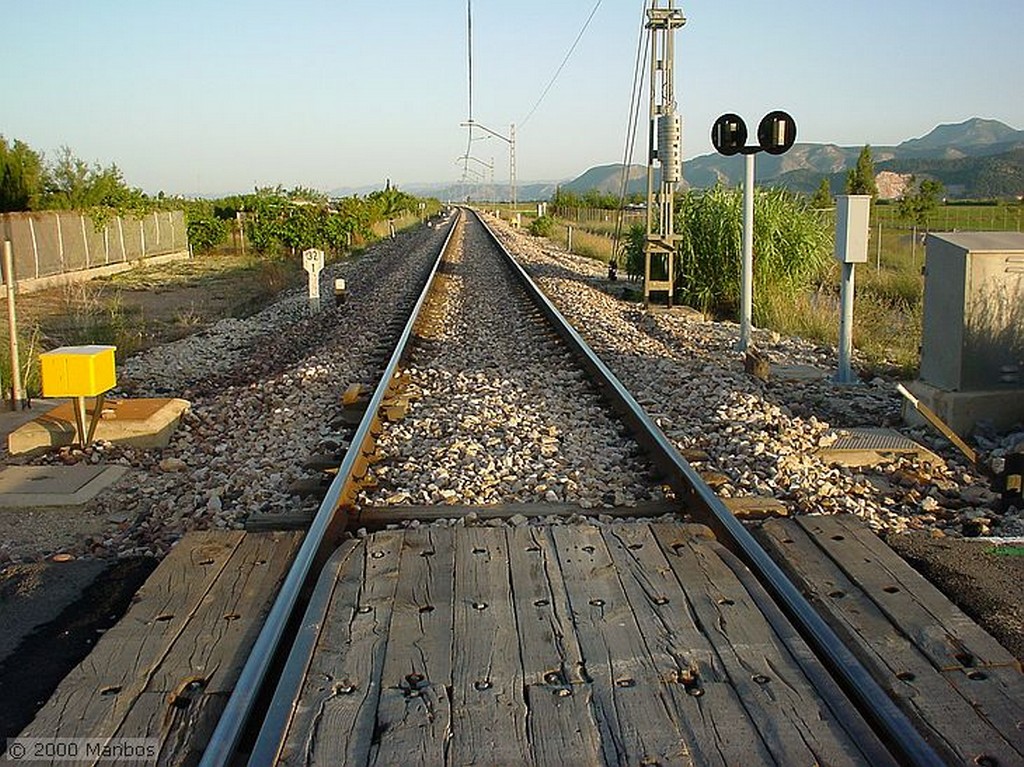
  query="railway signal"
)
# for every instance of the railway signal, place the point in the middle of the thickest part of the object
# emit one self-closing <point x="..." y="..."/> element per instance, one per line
<point x="776" y="134"/>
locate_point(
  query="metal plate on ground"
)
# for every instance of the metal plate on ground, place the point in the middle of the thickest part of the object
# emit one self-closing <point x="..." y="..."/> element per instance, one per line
<point x="36" y="486"/>
<point x="868" y="446"/>
<point x="797" y="373"/>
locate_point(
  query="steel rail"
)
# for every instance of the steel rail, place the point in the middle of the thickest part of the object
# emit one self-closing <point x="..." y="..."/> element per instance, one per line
<point x="868" y="696"/>
<point x="225" y="738"/>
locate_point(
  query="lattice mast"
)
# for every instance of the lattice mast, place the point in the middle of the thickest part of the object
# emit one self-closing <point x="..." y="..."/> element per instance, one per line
<point x="665" y="146"/>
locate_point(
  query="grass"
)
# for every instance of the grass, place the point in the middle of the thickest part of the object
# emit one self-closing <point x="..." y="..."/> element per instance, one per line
<point x="151" y="304"/>
<point x="889" y="288"/>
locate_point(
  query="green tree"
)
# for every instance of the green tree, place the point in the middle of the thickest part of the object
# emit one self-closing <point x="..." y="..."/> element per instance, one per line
<point x="390" y="203"/>
<point x="21" y="176"/>
<point x="565" y="198"/>
<point x="70" y="183"/>
<point x="919" y="200"/>
<point x="823" y="195"/>
<point x="861" y="178"/>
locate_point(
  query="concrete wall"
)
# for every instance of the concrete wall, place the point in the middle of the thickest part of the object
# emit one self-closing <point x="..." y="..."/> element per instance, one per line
<point x="57" y="246"/>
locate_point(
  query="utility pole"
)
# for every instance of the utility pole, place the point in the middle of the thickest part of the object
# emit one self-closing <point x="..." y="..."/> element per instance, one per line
<point x="512" y="167"/>
<point x="510" y="139"/>
<point x="667" y="127"/>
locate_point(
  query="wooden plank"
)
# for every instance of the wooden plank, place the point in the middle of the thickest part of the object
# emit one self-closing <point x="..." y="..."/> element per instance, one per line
<point x="414" y="714"/>
<point x="286" y="704"/>
<point x="996" y="693"/>
<point x="829" y="692"/>
<point x="939" y="628"/>
<point x="711" y="715"/>
<point x="954" y="724"/>
<point x="779" y="698"/>
<point x="378" y="516"/>
<point x="561" y="721"/>
<point x="488" y="707"/>
<point x="189" y="686"/>
<point x="97" y="695"/>
<point x="629" y="702"/>
<point x="334" y="718"/>
<point x="214" y="645"/>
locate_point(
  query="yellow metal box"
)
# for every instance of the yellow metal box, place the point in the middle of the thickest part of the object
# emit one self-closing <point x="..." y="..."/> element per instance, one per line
<point x="78" y="371"/>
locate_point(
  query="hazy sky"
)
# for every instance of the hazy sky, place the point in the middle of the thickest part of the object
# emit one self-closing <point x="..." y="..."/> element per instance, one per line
<point x="216" y="96"/>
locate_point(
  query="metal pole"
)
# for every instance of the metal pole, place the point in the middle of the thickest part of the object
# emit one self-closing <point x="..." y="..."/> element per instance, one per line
<point x="845" y="373"/>
<point x="878" y="255"/>
<point x="17" y="395"/>
<point x="747" y="270"/>
<point x="512" y="166"/>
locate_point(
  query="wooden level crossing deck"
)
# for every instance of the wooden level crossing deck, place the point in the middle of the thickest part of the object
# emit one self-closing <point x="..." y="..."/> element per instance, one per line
<point x="631" y="644"/>
<point x="166" y="669"/>
<point x="572" y="644"/>
<point x="959" y="686"/>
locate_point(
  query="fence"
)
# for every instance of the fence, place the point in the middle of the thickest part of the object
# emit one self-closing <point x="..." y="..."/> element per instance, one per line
<point x="598" y="216"/>
<point x="52" y="243"/>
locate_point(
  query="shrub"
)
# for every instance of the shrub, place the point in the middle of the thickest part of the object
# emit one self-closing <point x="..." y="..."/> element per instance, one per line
<point x="204" y="234"/>
<point x="632" y="248"/>
<point x="542" y="226"/>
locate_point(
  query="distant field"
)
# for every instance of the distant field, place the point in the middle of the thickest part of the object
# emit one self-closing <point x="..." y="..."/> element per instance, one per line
<point x="1001" y="217"/>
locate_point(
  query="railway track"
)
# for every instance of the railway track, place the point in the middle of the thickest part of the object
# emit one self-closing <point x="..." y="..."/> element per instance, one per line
<point x="483" y="567"/>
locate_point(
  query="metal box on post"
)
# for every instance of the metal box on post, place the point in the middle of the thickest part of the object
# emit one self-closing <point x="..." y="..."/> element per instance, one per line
<point x="78" y="371"/>
<point x="853" y="212"/>
<point x="973" y="333"/>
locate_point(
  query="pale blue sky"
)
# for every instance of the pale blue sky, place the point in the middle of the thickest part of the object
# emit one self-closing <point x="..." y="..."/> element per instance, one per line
<point x="211" y="97"/>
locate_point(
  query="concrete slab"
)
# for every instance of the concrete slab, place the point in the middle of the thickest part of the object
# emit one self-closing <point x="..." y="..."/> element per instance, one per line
<point x="871" y="446"/>
<point x="962" y="410"/>
<point x="10" y="420"/>
<point x="140" y="423"/>
<point x="55" y="486"/>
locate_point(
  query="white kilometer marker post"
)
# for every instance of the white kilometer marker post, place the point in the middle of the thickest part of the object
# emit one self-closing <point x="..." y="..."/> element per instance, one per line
<point x="313" y="263"/>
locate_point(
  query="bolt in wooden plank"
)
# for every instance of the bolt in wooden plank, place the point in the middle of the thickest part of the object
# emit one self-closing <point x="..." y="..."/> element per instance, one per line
<point x="334" y="718"/>
<point x="561" y="722"/>
<point x="779" y="698"/>
<point x="717" y="727"/>
<point x="630" y="705"/>
<point x="414" y="714"/>
<point x="183" y="729"/>
<point x="97" y="695"/>
<point x="997" y="695"/>
<point x="953" y="723"/>
<point x="488" y="708"/>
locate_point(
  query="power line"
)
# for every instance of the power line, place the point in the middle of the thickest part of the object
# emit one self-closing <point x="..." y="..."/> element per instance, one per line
<point x="631" y="127"/>
<point x="469" y="54"/>
<point x="469" y="50"/>
<point x="562" y="65"/>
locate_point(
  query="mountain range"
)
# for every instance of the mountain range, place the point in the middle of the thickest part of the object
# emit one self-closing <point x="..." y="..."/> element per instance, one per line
<point x="977" y="158"/>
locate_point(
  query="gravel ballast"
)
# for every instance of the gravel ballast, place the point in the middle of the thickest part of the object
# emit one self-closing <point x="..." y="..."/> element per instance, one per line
<point x="265" y="390"/>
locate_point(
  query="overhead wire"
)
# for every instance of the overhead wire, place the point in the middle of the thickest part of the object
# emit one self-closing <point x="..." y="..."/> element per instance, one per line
<point x="469" y="54"/>
<point x="561" y="66"/>
<point x="632" y="123"/>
